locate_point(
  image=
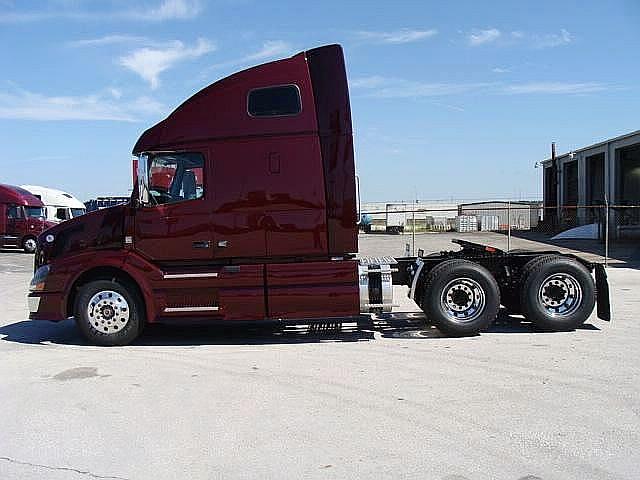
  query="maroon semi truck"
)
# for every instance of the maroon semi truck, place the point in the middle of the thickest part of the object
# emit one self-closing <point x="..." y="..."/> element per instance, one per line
<point x="21" y="218"/>
<point x="245" y="207"/>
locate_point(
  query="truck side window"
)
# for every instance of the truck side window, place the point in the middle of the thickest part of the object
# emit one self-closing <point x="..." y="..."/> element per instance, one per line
<point x="176" y="177"/>
<point x="61" y="214"/>
<point x="274" y="101"/>
<point x="13" y="212"/>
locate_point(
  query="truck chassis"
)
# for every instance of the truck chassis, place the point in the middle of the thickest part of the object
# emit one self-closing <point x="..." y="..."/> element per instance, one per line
<point x="461" y="291"/>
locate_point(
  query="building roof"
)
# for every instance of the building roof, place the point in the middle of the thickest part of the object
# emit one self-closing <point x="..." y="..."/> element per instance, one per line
<point x="595" y="145"/>
<point x="501" y="202"/>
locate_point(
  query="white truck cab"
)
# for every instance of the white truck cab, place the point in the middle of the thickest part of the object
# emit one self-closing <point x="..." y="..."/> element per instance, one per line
<point x="58" y="205"/>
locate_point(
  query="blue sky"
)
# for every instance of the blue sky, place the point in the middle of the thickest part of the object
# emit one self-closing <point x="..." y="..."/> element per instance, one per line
<point x="451" y="99"/>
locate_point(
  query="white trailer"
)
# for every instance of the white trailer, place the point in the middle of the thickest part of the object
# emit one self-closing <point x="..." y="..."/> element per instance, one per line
<point x="395" y="217"/>
<point x="58" y="205"/>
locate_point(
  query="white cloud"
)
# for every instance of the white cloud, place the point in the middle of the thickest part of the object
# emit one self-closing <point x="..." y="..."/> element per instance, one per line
<point x="481" y="37"/>
<point x="149" y="62"/>
<point x="515" y="37"/>
<point x="270" y="49"/>
<point x="551" y="40"/>
<point x="555" y="88"/>
<point x="384" y="87"/>
<point x="170" y="10"/>
<point x="500" y="70"/>
<point x="396" y="37"/>
<point x="165" y="10"/>
<point x="112" y="39"/>
<point x="19" y="104"/>
<point x="115" y="92"/>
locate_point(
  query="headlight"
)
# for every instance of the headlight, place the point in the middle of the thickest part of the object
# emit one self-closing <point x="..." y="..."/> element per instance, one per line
<point x="37" y="282"/>
<point x="49" y="238"/>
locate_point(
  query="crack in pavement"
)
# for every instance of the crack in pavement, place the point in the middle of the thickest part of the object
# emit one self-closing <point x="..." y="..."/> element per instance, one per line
<point x="64" y="469"/>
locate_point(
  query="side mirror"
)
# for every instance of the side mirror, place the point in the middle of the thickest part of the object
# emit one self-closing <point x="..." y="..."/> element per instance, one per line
<point x="143" y="180"/>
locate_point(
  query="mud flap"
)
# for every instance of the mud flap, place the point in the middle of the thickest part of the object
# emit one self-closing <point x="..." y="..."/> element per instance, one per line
<point x="602" y="287"/>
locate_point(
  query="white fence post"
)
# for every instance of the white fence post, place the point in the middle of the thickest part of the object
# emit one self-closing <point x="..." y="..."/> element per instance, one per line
<point x="509" y="226"/>
<point x="413" y="229"/>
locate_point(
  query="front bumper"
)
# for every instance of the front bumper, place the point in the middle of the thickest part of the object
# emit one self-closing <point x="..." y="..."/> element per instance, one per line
<point x="46" y="306"/>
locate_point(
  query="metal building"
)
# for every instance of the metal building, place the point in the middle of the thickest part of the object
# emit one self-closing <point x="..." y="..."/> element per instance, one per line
<point x="580" y="182"/>
<point x="521" y="215"/>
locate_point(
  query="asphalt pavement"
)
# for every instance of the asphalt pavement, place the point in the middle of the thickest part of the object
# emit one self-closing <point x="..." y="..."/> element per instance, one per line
<point x="393" y="399"/>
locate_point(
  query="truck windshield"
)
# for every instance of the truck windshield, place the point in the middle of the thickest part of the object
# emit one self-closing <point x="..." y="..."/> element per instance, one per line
<point x="34" y="212"/>
<point x="175" y="177"/>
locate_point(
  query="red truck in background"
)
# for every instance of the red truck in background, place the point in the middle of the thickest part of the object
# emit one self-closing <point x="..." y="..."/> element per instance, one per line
<point x="246" y="208"/>
<point x="21" y="218"/>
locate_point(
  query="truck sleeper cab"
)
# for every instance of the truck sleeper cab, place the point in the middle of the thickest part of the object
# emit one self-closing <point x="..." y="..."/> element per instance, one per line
<point x="245" y="208"/>
<point x="21" y="218"/>
<point x="58" y="205"/>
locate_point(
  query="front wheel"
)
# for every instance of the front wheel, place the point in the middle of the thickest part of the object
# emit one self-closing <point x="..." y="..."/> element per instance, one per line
<point x="558" y="294"/>
<point x="109" y="312"/>
<point x="461" y="297"/>
<point x="29" y="245"/>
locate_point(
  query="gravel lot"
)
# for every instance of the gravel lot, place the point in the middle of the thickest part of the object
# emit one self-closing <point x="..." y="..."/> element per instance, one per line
<point x="393" y="401"/>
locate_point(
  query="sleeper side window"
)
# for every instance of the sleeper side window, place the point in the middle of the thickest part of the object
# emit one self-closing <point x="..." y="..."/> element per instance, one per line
<point x="176" y="177"/>
<point x="276" y="101"/>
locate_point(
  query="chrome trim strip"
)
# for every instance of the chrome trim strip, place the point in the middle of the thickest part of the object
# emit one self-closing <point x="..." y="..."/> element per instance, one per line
<point x="415" y="278"/>
<point x="190" y="309"/>
<point x="170" y="276"/>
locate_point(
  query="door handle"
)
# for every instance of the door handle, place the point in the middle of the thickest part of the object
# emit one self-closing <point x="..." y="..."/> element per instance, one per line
<point x="223" y="243"/>
<point x="201" y="244"/>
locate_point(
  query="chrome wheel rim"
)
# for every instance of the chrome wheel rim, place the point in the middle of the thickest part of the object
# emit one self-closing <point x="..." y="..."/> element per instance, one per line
<point x="560" y="295"/>
<point x="30" y="245"/>
<point x="463" y="300"/>
<point x="108" y="312"/>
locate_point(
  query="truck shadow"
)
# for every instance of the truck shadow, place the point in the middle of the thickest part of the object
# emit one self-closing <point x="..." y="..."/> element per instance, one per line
<point x="410" y="325"/>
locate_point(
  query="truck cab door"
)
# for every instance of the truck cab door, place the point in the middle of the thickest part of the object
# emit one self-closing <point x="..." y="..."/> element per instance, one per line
<point x="16" y="223"/>
<point x="175" y="224"/>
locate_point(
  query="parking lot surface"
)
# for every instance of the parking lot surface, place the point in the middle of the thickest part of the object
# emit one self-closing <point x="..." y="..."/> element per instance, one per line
<point x="390" y="400"/>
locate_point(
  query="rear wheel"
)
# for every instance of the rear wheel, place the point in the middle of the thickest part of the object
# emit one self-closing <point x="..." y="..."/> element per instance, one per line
<point x="511" y="300"/>
<point x="29" y="245"/>
<point x="109" y="312"/>
<point x="558" y="294"/>
<point x="460" y="297"/>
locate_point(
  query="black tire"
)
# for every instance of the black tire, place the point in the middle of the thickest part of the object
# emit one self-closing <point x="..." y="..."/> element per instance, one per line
<point x="441" y="288"/>
<point x="94" y="303"/>
<point x="511" y="299"/>
<point x="29" y="244"/>
<point x="558" y="294"/>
